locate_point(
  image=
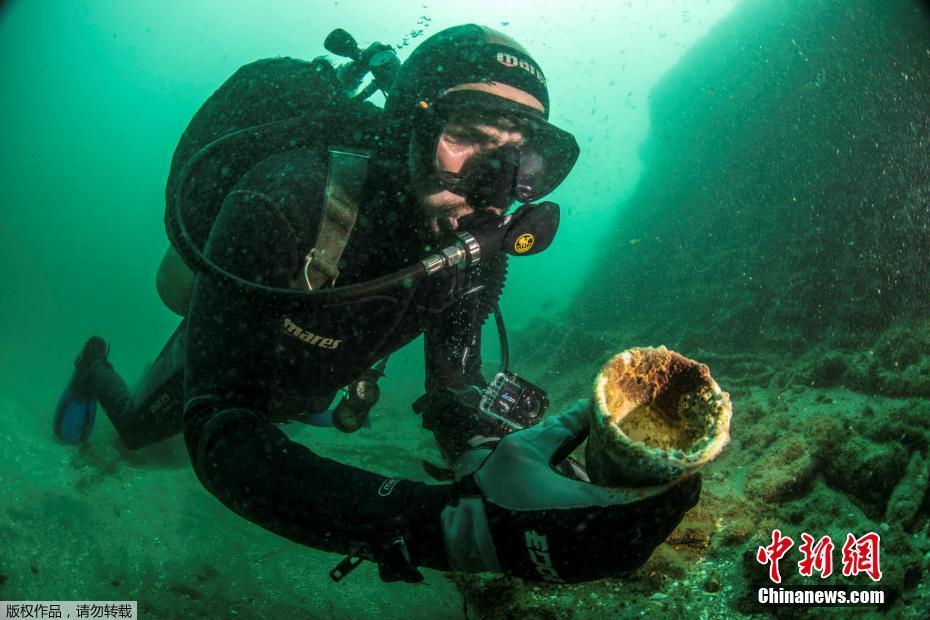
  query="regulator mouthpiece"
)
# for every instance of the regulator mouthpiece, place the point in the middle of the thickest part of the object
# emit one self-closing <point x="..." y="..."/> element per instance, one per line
<point x="484" y="235"/>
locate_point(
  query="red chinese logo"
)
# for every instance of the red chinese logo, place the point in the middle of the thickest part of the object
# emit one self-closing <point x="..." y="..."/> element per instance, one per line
<point x="774" y="552"/>
<point x="860" y="555"/>
<point x="817" y="557"/>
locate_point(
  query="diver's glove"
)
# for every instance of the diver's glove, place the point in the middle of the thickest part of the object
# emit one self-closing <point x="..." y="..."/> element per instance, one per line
<point x="517" y="515"/>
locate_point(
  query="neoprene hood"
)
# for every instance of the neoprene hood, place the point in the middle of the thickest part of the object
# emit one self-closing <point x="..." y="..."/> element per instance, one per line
<point x="458" y="55"/>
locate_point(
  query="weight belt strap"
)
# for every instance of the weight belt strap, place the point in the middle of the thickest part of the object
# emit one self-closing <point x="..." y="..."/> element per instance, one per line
<point x="344" y="181"/>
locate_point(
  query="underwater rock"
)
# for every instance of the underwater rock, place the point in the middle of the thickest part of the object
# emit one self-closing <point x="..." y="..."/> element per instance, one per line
<point x="824" y="432"/>
<point x="828" y="371"/>
<point x="912" y="381"/>
<point x="866" y="471"/>
<point x="909" y="567"/>
<point x="736" y="531"/>
<point x="488" y="594"/>
<point x="736" y="518"/>
<point x="908" y="425"/>
<point x="823" y="509"/>
<point x="657" y="415"/>
<point x="786" y="472"/>
<point x="694" y="533"/>
<point x="902" y="345"/>
<point x="807" y="267"/>
<point x="897" y="364"/>
<point x="712" y="583"/>
<point x="908" y="496"/>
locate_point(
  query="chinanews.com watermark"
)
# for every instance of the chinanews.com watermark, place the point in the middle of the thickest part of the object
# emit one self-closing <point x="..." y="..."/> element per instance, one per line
<point x="859" y="555"/>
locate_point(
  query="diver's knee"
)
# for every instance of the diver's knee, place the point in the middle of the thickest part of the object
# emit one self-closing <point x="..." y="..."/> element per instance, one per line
<point x="175" y="282"/>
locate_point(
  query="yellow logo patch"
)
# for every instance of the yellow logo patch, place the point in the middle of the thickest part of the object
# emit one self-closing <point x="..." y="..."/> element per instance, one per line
<point x="524" y="243"/>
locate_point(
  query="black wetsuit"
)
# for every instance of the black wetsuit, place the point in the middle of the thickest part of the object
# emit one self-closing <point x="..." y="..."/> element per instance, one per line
<point x="249" y="365"/>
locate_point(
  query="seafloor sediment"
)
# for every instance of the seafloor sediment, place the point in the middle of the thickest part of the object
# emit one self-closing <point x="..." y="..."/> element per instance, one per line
<point x="98" y="523"/>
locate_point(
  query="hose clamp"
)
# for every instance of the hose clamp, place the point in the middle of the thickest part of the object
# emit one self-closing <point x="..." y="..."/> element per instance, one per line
<point x="471" y="246"/>
<point x="454" y="255"/>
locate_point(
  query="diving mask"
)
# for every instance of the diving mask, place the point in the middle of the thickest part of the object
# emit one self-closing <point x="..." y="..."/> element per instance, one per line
<point x="526" y="169"/>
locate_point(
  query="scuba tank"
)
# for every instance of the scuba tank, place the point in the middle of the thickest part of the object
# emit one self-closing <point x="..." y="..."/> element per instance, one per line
<point x="266" y="92"/>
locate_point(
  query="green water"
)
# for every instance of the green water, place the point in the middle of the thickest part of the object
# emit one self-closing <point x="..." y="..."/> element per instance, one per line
<point x="753" y="191"/>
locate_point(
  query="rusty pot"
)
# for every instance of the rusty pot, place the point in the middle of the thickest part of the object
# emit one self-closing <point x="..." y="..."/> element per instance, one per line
<point x="657" y="415"/>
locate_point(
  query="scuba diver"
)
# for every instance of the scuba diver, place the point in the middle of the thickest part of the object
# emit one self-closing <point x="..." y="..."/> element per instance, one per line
<point x="312" y="235"/>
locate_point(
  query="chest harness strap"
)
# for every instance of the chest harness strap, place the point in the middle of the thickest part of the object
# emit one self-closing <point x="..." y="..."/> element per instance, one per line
<point x="344" y="181"/>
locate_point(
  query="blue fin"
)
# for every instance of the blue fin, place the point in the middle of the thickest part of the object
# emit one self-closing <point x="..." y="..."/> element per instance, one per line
<point x="74" y="416"/>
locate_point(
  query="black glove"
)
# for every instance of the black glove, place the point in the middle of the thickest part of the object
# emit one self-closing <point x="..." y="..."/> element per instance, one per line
<point x="517" y="515"/>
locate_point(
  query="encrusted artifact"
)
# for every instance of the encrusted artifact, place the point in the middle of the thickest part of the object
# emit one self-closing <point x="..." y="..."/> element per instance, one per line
<point x="657" y="415"/>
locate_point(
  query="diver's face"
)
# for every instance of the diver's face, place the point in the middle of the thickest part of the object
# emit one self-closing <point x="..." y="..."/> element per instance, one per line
<point x="458" y="143"/>
<point x="460" y="140"/>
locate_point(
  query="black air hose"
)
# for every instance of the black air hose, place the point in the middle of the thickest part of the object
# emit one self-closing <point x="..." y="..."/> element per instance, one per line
<point x="493" y="287"/>
<point x="488" y="302"/>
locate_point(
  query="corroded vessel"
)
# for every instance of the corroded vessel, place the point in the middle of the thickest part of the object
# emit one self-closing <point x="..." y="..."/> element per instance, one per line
<point x="657" y="415"/>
